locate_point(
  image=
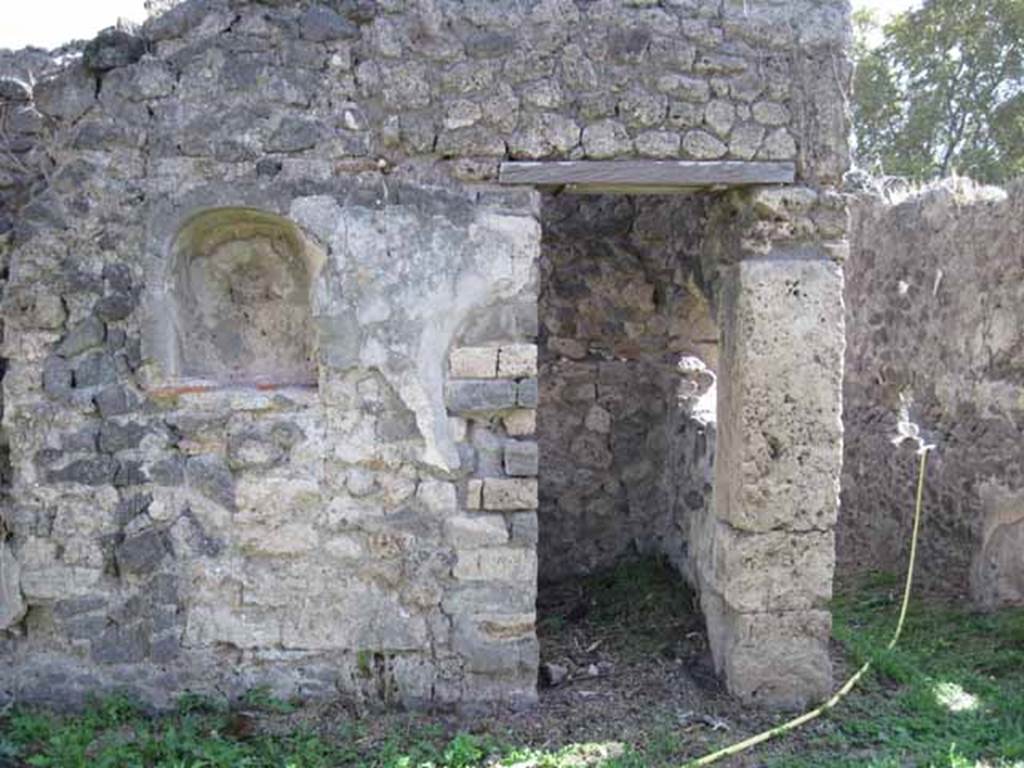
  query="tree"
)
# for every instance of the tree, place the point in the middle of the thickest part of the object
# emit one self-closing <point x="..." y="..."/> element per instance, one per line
<point x="943" y="92"/>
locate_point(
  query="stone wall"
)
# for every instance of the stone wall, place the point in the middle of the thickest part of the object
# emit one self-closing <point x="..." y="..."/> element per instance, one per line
<point x="762" y="554"/>
<point x="935" y="290"/>
<point x="177" y="534"/>
<point x="621" y="305"/>
<point x="356" y="514"/>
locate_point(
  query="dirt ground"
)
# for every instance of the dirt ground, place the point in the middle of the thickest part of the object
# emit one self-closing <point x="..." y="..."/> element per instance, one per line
<point x="631" y="667"/>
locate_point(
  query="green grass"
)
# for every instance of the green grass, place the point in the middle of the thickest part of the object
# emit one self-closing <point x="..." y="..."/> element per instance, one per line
<point x="640" y="608"/>
<point x="951" y="695"/>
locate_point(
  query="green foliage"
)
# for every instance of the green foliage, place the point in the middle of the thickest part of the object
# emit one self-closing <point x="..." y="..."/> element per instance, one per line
<point x="639" y="608"/>
<point x="950" y="694"/>
<point x="943" y="92"/>
<point x="262" y="699"/>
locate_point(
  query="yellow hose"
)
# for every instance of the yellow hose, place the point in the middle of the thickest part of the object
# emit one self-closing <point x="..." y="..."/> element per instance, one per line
<point x="743" y="746"/>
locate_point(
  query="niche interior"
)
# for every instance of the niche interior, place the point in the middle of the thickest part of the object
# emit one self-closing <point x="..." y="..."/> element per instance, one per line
<point x="242" y="282"/>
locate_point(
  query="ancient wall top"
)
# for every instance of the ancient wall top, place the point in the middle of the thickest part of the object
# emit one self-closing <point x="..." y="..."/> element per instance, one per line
<point x="472" y="83"/>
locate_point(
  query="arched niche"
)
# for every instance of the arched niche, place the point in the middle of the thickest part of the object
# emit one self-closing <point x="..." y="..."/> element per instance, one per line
<point x="241" y="283"/>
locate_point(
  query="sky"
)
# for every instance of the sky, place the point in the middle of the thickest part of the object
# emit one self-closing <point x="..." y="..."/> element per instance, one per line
<point x="49" y="23"/>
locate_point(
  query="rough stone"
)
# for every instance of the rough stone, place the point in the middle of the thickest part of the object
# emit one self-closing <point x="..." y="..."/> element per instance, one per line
<point x="480" y="396"/>
<point x="320" y="24"/>
<point x="521" y="422"/>
<point x="745" y="141"/>
<point x="658" y="144"/>
<point x="66" y="96"/>
<point x="771" y="114"/>
<point x="719" y="116"/>
<point x="606" y="139"/>
<point x="703" y="146"/>
<point x="111" y="48"/>
<point x="12" y="604"/>
<point x="473" y="362"/>
<point x="120" y="645"/>
<point x="527" y="393"/>
<point x="57" y="377"/>
<point x="764" y="653"/>
<point x="211" y="477"/>
<point x="83" y="336"/>
<point x="509" y="493"/>
<point x="142" y="553"/>
<point x="93" y="370"/>
<point x="115" y="307"/>
<point x="14" y="90"/>
<point x="498" y="564"/>
<point x="517" y="361"/>
<point x="778" y="146"/>
<point x="521" y="459"/>
<point x="114" y="401"/>
<point x="294" y="135"/>
<point x="116" y="437"/>
<point x="473" y="531"/>
<point x="686" y="88"/>
<point x="97" y="471"/>
<point x="474" y="494"/>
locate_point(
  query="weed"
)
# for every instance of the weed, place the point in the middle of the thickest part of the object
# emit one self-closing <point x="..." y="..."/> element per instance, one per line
<point x="261" y="698"/>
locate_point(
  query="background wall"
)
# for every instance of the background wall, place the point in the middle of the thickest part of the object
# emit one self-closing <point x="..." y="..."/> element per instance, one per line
<point x="935" y="290"/>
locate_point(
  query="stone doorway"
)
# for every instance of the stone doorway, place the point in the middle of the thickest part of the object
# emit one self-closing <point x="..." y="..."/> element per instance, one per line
<point x="628" y="345"/>
<point x="690" y="370"/>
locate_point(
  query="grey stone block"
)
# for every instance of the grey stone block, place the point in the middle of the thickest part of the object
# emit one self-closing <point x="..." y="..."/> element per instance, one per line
<point x="169" y="471"/>
<point x="121" y="645"/>
<point x="116" y="437"/>
<point x="294" y="134"/>
<point x="98" y="471"/>
<point x="85" y="627"/>
<point x="131" y="507"/>
<point x="143" y="553"/>
<point x="57" y="378"/>
<point x="82" y="441"/>
<point x="114" y="401"/>
<point x="490" y="45"/>
<point x="116" y="306"/>
<point x="210" y="476"/>
<point x="118" y="277"/>
<point x="73" y="606"/>
<point x="165" y="648"/>
<point x="84" y="336"/>
<point x="67" y="95"/>
<point x="473" y="396"/>
<point x="14" y="90"/>
<point x="112" y="48"/>
<point x="162" y="589"/>
<point x="129" y="473"/>
<point x="527" y="393"/>
<point x="524" y="528"/>
<point x="320" y="24"/>
<point x="94" y="370"/>
<point x="521" y="459"/>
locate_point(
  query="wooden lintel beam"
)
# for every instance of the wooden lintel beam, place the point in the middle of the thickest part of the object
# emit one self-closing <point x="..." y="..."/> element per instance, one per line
<point x="638" y="174"/>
